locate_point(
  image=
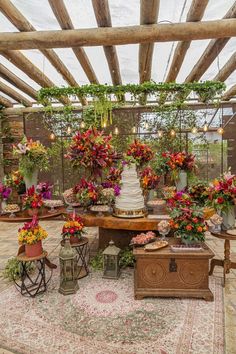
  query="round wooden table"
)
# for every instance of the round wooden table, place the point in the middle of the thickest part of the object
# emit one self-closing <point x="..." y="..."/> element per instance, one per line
<point x="22" y="216"/>
<point x="226" y="263"/>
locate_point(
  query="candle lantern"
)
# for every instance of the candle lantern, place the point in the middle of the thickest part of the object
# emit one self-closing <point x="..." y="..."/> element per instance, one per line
<point x="111" y="260"/>
<point x="68" y="269"/>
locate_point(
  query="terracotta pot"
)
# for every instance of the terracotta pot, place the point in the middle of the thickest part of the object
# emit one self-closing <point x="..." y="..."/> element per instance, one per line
<point x="74" y="239"/>
<point x="32" y="212"/>
<point x="34" y="250"/>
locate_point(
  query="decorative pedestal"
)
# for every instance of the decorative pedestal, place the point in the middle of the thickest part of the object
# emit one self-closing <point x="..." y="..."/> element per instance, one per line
<point x="168" y="274"/>
<point x="35" y="283"/>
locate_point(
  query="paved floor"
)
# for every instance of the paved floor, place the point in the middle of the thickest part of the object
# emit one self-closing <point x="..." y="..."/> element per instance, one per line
<point x="9" y="246"/>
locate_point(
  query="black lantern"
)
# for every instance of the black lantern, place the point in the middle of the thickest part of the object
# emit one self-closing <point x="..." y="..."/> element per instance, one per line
<point x="111" y="260"/>
<point x="68" y="269"/>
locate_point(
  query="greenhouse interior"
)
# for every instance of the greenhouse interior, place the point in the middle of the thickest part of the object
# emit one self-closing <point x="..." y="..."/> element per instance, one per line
<point x="118" y="177"/>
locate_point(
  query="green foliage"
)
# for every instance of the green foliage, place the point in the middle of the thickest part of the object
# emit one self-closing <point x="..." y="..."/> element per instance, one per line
<point x="126" y="259"/>
<point x="97" y="261"/>
<point x="13" y="269"/>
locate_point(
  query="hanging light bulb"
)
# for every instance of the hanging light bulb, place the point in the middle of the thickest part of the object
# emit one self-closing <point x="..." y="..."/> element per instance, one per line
<point x="220" y="130"/>
<point x="194" y="130"/>
<point x="134" y="130"/>
<point x="82" y="125"/>
<point x="146" y="125"/>
<point x="116" y="131"/>
<point x="160" y="133"/>
<point x="172" y="132"/>
<point x="104" y="125"/>
<point x="205" y="127"/>
<point x="52" y="136"/>
<point x="69" y="130"/>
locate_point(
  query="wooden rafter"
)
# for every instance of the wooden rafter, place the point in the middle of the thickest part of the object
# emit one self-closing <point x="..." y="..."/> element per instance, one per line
<point x="14" y="94"/>
<point x="103" y="17"/>
<point x="148" y="15"/>
<point x="23" y="25"/>
<point x="24" y="64"/>
<point x="230" y="93"/>
<point x="195" y="13"/>
<point x="17" y="82"/>
<point x="5" y="102"/>
<point x="227" y="69"/>
<point x="63" y="18"/>
<point x="109" y="36"/>
<point x="212" y="51"/>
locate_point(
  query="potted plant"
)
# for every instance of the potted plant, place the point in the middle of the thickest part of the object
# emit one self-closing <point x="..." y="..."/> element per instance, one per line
<point x="222" y="199"/>
<point x="5" y="192"/>
<point x="31" y="235"/>
<point x="32" y="201"/>
<point x="33" y="157"/>
<point x="73" y="228"/>
<point x="188" y="224"/>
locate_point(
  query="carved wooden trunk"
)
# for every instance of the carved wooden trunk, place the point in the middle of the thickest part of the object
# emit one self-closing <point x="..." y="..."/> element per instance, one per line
<point x="169" y="274"/>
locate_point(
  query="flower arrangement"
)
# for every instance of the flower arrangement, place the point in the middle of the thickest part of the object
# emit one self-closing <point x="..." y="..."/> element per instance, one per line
<point x="73" y="227"/>
<point x="107" y="192"/>
<point x="180" y="199"/>
<point x="31" y="233"/>
<point x="168" y="192"/>
<point x="223" y="192"/>
<point x="199" y="192"/>
<point x="32" y="200"/>
<point x="92" y="150"/>
<point x="32" y="155"/>
<point x="114" y="175"/>
<point x="45" y="189"/>
<point x="188" y="223"/>
<point x="5" y="191"/>
<point x="86" y="193"/>
<point x="15" y="180"/>
<point x="174" y="162"/>
<point x="140" y="152"/>
<point x="149" y="179"/>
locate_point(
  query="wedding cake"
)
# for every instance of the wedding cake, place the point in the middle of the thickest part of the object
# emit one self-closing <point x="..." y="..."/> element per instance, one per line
<point x="130" y="202"/>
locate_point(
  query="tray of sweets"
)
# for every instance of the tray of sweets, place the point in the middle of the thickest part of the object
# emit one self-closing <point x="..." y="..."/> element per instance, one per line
<point x="186" y="248"/>
<point x="155" y="245"/>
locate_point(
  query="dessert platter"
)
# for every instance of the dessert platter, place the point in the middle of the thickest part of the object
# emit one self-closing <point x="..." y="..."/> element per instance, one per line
<point x="130" y="202"/>
<point x="100" y="210"/>
<point x="186" y="248"/>
<point x="156" y="245"/>
<point x="158" y="206"/>
<point x="52" y="204"/>
<point x="11" y="209"/>
<point x="143" y="239"/>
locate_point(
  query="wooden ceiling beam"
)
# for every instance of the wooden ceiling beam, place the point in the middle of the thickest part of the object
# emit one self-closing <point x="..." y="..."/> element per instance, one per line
<point x="14" y="94"/>
<point x="5" y="102"/>
<point x="64" y="20"/>
<point x="108" y="36"/>
<point x="212" y="50"/>
<point x="23" y="25"/>
<point x="24" y="64"/>
<point x="195" y="14"/>
<point x="227" y="69"/>
<point x="103" y="17"/>
<point x="230" y="93"/>
<point x="148" y="15"/>
<point x="17" y="82"/>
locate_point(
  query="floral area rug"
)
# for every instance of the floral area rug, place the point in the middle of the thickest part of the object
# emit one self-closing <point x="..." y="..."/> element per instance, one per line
<point x="103" y="317"/>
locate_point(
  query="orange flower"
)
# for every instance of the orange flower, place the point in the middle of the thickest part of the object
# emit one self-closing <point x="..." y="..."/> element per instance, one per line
<point x="189" y="227"/>
<point x="176" y="226"/>
<point x="199" y="229"/>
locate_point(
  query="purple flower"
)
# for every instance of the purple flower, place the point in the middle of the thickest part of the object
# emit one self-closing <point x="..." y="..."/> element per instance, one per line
<point x="44" y="188"/>
<point x="107" y="185"/>
<point x="117" y="190"/>
<point x="4" y="191"/>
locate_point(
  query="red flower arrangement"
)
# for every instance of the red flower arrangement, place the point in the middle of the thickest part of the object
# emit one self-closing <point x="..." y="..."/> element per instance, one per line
<point x="148" y="178"/>
<point x="32" y="200"/>
<point x="73" y="227"/>
<point x="86" y="193"/>
<point x="223" y="192"/>
<point x="140" y="152"/>
<point x="92" y="150"/>
<point x="180" y="199"/>
<point x="180" y="161"/>
<point x="114" y="175"/>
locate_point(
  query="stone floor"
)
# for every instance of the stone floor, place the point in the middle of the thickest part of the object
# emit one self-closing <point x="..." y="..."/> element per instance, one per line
<point x="9" y="246"/>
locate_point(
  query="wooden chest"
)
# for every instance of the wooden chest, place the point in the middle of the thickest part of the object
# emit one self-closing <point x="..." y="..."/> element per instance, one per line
<point x="171" y="274"/>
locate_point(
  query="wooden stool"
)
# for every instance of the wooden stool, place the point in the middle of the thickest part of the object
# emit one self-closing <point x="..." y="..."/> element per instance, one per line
<point x="35" y="283"/>
<point x="226" y="262"/>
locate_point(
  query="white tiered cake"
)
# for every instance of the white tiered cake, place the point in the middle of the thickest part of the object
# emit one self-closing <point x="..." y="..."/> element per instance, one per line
<point x="130" y="202"/>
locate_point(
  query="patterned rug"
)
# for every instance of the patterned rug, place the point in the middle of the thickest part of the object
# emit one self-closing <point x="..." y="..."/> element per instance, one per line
<point x="103" y="318"/>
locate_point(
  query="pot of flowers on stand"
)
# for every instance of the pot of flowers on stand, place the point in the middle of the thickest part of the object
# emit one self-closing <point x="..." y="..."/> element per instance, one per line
<point x="33" y="157"/>
<point x="73" y="229"/>
<point x="222" y="199"/>
<point x="32" y="202"/>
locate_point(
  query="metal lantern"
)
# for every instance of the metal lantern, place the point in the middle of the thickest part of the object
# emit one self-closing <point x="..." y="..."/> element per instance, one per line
<point x="111" y="259"/>
<point x="68" y="269"/>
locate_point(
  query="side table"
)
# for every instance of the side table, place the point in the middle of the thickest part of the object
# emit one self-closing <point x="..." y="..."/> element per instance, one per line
<point x="35" y="283"/>
<point x="82" y="249"/>
<point x="226" y="263"/>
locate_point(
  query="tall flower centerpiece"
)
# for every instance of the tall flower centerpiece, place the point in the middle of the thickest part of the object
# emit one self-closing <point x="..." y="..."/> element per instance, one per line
<point x="222" y="198"/>
<point x="93" y="151"/>
<point x="86" y="193"/>
<point x="5" y="192"/>
<point x="15" y="180"/>
<point x="189" y="224"/>
<point x="140" y="152"/>
<point x="31" y="235"/>
<point x="149" y="181"/>
<point x="33" y="157"/>
<point x="32" y="201"/>
<point x="73" y="228"/>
